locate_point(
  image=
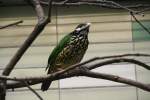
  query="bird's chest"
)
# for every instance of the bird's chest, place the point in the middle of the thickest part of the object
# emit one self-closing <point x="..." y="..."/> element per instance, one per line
<point x="73" y="52"/>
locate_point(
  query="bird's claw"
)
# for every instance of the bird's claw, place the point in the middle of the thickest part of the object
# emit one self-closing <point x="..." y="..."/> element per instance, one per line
<point x="83" y="68"/>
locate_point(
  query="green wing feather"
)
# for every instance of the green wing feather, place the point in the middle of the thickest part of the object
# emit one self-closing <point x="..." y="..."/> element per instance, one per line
<point x="58" y="49"/>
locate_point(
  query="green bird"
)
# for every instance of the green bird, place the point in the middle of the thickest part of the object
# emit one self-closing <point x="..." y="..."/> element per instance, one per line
<point x="69" y="51"/>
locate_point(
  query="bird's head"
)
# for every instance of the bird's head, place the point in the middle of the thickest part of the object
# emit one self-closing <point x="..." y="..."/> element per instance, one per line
<point x="82" y="29"/>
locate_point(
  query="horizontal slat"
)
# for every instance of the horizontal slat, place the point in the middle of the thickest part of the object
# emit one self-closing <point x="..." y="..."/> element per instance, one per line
<point x="107" y="37"/>
<point x="117" y="93"/>
<point x="30" y="72"/>
<point x="34" y="57"/>
<point x="97" y="27"/>
<point x="31" y="51"/>
<point x="99" y="50"/>
<point x="28" y="95"/>
<point x="142" y="74"/>
<point x="85" y="9"/>
<point x="110" y="37"/>
<point x="142" y="47"/>
<point x="27" y="61"/>
<point x="18" y="41"/>
<point x="95" y="14"/>
<point x="98" y="33"/>
<point x="27" y="21"/>
<point x="93" y="18"/>
<point x="103" y="32"/>
<point x="21" y="12"/>
<point x="19" y="31"/>
<point x="37" y="56"/>
<point x="15" y="36"/>
<point x="120" y="70"/>
<point x="123" y="93"/>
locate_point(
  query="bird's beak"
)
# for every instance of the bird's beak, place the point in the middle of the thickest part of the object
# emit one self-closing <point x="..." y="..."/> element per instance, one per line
<point x="88" y="24"/>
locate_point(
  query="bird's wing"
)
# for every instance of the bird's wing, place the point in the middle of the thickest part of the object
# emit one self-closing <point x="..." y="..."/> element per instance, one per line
<point x="57" y="50"/>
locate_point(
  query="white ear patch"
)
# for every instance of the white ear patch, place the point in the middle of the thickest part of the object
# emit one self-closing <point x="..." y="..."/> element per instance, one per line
<point x="78" y="29"/>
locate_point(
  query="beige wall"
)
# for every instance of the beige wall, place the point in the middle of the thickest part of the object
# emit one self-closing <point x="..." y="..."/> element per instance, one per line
<point x="110" y="34"/>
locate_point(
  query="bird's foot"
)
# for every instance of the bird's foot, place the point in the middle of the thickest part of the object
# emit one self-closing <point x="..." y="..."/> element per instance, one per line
<point x="60" y="69"/>
<point x="83" y="68"/>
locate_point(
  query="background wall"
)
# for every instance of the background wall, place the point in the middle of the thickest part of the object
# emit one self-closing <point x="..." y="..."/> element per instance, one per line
<point x="112" y="32"/>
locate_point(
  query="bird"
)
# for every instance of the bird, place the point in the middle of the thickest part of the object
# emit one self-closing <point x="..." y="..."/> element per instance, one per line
<point x="69" y="51"/>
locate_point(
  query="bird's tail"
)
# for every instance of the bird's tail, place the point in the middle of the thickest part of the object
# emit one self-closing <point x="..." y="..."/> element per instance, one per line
<point x="45" y="85"/>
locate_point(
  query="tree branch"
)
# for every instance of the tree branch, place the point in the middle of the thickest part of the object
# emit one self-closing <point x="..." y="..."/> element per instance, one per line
<point x="76" y="70"/>
<point x="42" y="22"/>
<point x="12" y="24"/>
<point x="90" y="67"/>
<point x="81" y="72"/>
<point x="116" y="79"/>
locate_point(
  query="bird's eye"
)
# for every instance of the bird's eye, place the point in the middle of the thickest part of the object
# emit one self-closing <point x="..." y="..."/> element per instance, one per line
<point x="83" y="31"/>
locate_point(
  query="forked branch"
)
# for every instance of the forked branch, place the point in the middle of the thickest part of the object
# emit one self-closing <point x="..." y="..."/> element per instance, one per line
<point x="83" y="69"/>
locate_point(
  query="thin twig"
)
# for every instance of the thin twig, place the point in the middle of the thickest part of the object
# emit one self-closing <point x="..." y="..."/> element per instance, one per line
<point x="146" y="29"/>
<point x="32" y="90"/>
<point x="12" y="24"/>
